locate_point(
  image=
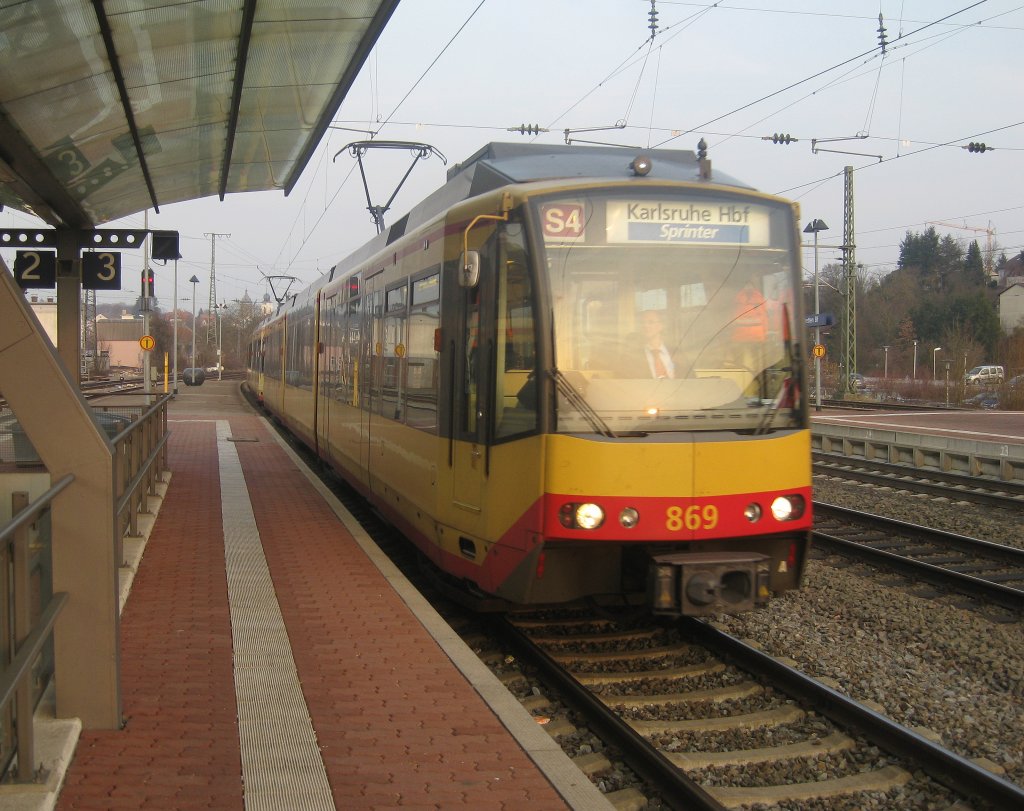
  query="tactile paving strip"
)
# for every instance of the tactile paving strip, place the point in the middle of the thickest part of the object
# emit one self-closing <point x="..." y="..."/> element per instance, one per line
<point x="281" y="763"/>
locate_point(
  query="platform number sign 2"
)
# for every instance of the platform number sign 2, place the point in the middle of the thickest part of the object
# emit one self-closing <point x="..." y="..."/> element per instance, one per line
<point x="35" y="269"/>
<point x="101" y="270"/>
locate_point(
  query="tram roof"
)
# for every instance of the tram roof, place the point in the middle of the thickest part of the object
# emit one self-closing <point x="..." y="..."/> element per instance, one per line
<point x="498" y="164"/>
<point x="107" y="109"/>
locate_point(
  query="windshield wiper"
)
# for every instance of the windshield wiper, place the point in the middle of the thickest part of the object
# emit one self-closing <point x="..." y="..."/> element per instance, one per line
<point x="787" y="384"/>
<point x="577" y="401"/>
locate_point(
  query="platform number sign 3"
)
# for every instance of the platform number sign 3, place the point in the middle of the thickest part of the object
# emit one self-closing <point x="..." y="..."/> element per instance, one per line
<point x="101" y="270"/>
<point x="35" y="269"/>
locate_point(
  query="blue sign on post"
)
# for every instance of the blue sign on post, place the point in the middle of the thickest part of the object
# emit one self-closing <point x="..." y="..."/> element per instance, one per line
<point x="820" y="320"/>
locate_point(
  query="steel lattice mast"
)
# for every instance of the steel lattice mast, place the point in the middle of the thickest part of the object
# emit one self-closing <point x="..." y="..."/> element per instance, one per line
<point x="211" y="321"/>
<point x="850" y="275"/>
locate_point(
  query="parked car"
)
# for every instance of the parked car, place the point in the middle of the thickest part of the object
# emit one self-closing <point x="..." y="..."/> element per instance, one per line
<point x="985" y="375"/>
<point x="987" y="399"/>
<point x="193" y="376"/>
<point x="856" y="380"/>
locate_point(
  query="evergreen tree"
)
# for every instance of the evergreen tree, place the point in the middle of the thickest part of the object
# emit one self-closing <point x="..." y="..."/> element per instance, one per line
<point x="974" y="266"/>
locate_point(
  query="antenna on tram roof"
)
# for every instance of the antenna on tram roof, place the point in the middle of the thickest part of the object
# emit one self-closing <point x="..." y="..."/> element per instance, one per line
<point x="359" y="148"/>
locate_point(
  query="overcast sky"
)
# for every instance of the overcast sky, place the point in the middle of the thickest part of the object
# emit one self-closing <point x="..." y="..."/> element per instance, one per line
<point x="456" y="74"/>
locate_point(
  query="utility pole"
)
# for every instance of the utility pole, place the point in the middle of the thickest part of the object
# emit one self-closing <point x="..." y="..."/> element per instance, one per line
<point x="850" y="274"/>
<point x="89" y="342"/>
<point x="147" y="306"/>
<point x="211" y="327"/>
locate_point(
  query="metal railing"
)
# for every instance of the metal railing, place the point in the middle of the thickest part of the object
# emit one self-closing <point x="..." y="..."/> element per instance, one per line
<point x="28" y="606"/>
<point x="140" y="458"/>
<point x="29" y="610"/>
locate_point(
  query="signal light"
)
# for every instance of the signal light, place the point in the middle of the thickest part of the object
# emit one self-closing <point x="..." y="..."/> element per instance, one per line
<point x="147" y="283"/>
<point x="977" y="146"/>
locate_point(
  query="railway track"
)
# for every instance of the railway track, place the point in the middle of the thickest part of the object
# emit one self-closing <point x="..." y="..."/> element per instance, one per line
<point x="941" y="484"/>
<point x="989" y="571"/>
<point x="879" y="405"/>
<point x="709" y="722"/>
<point x="679" y="673"/>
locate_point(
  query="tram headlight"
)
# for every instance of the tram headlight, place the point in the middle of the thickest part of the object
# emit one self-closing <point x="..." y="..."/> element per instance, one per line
<point x="581" y="516"/>
<point x="629" y="517"/>
<point x="788" y="508"/>
<point x="752" y="513"/>
<point x="641" y="165"/>
<point x="589" y="516"/>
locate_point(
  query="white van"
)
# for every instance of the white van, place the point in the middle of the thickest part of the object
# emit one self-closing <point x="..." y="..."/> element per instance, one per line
<point x="985" y="376"/>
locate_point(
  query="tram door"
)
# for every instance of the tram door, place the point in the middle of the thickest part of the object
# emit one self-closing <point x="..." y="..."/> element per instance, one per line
<point x="471" y="400"/>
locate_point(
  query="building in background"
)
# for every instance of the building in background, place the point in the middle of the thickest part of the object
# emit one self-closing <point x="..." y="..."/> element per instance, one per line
<point x="119" y="338"/>
<point x="45" y="308"/>
<point x="1011" y="307"/>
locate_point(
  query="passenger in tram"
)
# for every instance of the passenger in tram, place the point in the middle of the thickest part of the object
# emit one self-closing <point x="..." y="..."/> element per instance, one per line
<point x="750" y="327"/>
<point x="650" y="356"/>
<point x="660" y="363"/>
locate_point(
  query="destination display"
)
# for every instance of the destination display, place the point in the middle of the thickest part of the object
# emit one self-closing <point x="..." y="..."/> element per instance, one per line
<point x="685" y="222"/>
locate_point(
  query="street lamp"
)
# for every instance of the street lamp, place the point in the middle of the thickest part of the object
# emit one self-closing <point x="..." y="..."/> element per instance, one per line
<point x="175" y="311"/>
<point x="934" y="355"/>
<point x="195" y="281"/>
<point x="886" y="373"/>
<point x="813" y="227"/>
<point x="220" y="345"/>
<point x="915" y="360"/>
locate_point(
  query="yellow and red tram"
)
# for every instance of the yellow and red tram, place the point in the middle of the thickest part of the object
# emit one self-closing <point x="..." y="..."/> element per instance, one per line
<point x="571" y="372"/>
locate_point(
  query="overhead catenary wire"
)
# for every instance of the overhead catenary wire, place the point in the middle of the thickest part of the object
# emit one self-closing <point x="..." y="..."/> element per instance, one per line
<point x="307" y="224"/>
<point x="815" y="75"/>
<point x="380" y="126"/>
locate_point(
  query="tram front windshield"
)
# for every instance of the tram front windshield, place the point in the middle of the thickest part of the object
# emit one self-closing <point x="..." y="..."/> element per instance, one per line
<point x="672" y="313"/>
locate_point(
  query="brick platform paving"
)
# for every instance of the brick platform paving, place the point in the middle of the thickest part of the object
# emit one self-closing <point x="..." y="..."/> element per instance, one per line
<point x="397" y="723"/>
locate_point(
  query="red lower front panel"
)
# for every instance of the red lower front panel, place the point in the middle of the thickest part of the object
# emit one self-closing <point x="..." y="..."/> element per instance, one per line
<point x="679" y="519"/>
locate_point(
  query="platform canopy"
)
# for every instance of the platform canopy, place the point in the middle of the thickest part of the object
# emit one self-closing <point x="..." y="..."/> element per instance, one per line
<point x="111" y="107"/>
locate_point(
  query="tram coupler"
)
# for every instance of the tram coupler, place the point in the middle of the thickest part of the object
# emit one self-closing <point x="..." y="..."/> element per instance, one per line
<point x="700" y="583"/>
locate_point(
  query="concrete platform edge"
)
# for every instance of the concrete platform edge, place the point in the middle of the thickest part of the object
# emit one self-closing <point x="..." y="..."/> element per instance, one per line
<point x="573" y="786"/>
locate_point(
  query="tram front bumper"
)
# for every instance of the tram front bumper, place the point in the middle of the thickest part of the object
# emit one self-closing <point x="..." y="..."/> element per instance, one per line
<point x="702" y="583"/>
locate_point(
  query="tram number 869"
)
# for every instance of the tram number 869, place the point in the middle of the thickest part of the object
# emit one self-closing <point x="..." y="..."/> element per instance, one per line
<point x="694" y="517"/>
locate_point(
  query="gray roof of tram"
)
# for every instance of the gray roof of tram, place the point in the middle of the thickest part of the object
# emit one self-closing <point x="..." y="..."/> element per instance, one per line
<point x="500" y="164"/>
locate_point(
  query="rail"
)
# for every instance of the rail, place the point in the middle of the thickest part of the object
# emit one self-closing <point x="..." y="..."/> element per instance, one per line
<point x="26" y="579"/>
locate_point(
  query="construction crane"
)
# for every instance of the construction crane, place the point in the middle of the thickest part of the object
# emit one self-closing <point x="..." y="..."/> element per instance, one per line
<point x="989" y="232"/>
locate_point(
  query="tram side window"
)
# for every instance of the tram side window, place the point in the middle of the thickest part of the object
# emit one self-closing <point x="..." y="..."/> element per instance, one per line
<point x="370" y="367"/>
<point x="274" y="349"/>
<point x="329" y="317"/>
<point x="471" y="348"/>
<point x="295" y="352"/>
<point x="348" y="390"/>
<point x="393" y="356"/>
<point x="516" y="342"/>
<point x="422" y="382"/>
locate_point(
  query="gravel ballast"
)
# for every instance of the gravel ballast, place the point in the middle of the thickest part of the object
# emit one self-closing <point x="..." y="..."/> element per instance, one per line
<point x="936" y="662"/>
